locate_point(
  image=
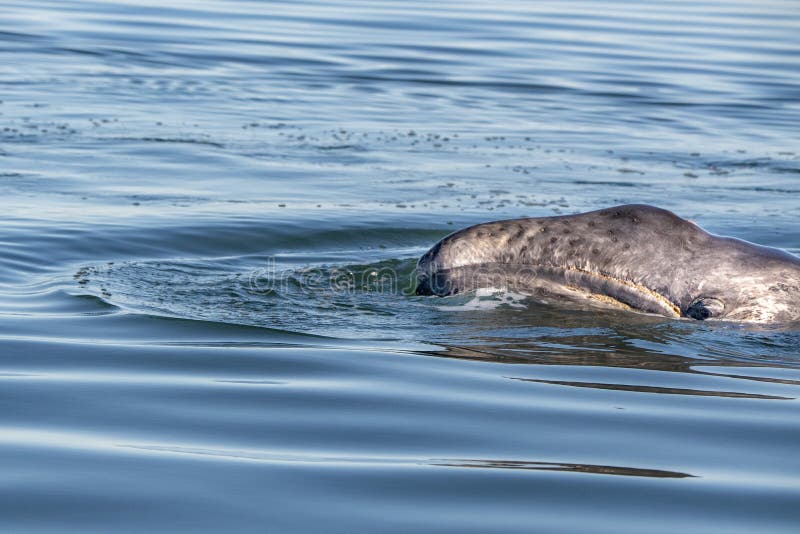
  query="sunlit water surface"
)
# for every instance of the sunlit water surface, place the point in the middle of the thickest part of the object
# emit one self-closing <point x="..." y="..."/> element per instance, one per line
<point x="211" y="213"/>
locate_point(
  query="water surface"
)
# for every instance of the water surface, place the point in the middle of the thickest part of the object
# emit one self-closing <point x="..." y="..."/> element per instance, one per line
<point x="211" y="213"/>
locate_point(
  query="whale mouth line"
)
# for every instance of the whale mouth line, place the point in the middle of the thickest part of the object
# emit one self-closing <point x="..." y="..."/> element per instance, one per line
<point x="597" y="286"/>
<point x="607" y="300"/>
<point x="664" y="301"/>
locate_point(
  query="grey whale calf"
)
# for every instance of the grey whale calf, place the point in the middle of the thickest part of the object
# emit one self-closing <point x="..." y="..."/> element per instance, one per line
<point x="635" y="257"/>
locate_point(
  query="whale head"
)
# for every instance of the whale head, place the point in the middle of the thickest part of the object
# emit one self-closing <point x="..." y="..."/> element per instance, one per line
<point x="636" y="257"/>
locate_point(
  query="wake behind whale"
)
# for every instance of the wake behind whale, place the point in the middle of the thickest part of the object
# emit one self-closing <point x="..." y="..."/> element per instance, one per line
<point x="634" y="257"/>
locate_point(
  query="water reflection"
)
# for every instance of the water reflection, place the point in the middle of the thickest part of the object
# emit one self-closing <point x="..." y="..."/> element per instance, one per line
<point x="669" y="356"/>
<point x="558" y="466"/>
<point x="654" y="389"/>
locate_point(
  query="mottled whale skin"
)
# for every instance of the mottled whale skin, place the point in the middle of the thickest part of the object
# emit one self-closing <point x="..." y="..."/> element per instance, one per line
<point x="636" y="257"/>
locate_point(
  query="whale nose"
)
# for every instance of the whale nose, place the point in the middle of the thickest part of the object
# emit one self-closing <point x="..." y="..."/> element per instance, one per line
<point x="423" y="287"/>
<point x="438" y="283"/>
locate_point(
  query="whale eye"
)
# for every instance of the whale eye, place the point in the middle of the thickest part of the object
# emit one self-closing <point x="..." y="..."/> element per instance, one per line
<point x="703" y="308"/>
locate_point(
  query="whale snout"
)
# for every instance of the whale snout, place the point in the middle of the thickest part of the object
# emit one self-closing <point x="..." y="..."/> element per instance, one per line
<point x="436" y="284"/>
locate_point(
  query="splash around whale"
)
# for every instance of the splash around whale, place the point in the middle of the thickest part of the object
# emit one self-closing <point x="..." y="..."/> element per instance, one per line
<point x="635" y="257"/>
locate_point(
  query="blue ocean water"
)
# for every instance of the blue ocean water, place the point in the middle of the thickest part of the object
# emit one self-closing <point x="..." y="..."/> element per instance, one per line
<point x="211" y="213"/>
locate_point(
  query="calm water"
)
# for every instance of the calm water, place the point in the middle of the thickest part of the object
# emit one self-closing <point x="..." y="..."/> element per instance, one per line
<point x="202" y="203"/>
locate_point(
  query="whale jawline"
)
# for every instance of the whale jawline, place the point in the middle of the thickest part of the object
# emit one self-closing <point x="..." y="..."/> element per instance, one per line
<point x="545" y="280"/>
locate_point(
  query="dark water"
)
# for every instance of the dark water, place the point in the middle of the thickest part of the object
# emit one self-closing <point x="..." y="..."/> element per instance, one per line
<point x="211" y="213"/>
